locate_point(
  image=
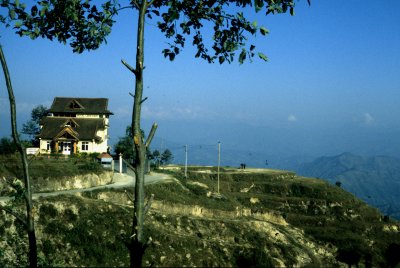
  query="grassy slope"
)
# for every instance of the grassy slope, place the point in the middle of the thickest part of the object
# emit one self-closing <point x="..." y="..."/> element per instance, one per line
<point x="283" y="220"/>
<point x="41" y="167"/>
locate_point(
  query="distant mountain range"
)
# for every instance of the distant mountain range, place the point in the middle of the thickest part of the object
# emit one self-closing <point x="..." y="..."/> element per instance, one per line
<point x="376" y="180"/>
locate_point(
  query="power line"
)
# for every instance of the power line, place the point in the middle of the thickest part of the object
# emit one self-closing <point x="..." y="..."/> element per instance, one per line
<point x="186" y="160"/>
<point x="219" y="160"/>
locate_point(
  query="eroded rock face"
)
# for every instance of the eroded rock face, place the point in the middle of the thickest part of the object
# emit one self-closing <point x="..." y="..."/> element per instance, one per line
<point x="75" y="182"/>
<point x="178" y="234"/>
<point x="237" y="234"/>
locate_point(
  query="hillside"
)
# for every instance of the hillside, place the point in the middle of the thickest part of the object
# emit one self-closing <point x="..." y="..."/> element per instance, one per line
<point x="376" y="180"/>
<point x="263" y="218"/>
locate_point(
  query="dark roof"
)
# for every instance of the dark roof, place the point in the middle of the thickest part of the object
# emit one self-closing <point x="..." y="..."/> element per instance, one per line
<point x="82" y="128"/>
<point x="80" y="105"/>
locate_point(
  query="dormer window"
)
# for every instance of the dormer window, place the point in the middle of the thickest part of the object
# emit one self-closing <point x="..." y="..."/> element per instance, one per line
<point x="70" y="123"/>
<point x="74" y="104"/>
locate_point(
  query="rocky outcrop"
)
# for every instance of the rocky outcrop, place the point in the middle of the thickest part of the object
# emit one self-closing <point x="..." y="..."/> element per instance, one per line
<point x="75" y="182"/>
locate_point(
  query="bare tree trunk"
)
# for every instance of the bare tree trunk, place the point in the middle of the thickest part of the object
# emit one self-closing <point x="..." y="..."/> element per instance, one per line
<point x="29" y="223"/>
<point x="137" y="241"/>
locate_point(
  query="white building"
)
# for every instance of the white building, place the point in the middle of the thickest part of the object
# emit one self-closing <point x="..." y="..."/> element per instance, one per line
<point x="75" y="125"/>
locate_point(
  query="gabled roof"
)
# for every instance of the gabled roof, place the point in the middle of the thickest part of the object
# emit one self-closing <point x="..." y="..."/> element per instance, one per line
<point x="80" y="105"/>
<point x="85" y="128"/>
<point x="67" y="133"/>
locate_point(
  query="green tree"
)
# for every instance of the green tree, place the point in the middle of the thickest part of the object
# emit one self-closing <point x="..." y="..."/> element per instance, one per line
<point x="124" y="146"/>
<point x="166" y="157"/>
<point x="8" y="146"/>
<point x="86" y="26"/>
<point x="32" y="127"/>
<point x="156" y="157"/>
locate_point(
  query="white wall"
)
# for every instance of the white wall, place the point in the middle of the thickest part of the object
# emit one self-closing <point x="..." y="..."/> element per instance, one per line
<point x="43" y="146"/>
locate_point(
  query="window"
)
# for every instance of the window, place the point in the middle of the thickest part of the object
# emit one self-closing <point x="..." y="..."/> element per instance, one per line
<point x="85" y="146"/>
<point x="48" y="146"/>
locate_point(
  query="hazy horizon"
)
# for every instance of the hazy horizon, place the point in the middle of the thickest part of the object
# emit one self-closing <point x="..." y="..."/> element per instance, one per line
<point x="331" y="85"/>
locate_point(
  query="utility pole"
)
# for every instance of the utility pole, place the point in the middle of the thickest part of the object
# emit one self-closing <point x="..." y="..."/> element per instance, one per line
<point x="120" y="163"/>
<point x="219" y="161"/>
<point x="186" y="151"/>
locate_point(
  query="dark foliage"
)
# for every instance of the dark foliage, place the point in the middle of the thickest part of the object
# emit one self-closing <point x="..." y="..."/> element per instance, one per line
<point x="7" y="146"/>
<point x="349" y="256"/>
<point x="252" y="258"/>
<point x="32" y="127"/>
<point x="393" y="255"/>
<point x="85" y="25"/>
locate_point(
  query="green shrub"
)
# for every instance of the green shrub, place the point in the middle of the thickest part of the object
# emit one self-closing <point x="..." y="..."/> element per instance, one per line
<point x="91" y="166"/>
<point x="69" y="215"/>
<point x="254" y="257"/>
<point x="93" y="155"/>
<point x="48" y="210"/>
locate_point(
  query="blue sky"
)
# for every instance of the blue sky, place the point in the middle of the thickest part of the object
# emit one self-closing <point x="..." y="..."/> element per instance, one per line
<point x="331" y="85"/>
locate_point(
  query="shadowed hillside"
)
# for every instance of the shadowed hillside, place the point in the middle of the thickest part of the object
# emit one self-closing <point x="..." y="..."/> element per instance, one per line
<point x="262" y="218"/>
<point x="375" y="180"/>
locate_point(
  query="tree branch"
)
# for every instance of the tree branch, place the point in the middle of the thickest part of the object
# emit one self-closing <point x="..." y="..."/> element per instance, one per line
<point x="143" y="100"/>
<point x="148" y="204"/>
<point x="150" y="3"/>
<point x="135" y="3"/>
<point x="130" y="68"/>
<point x="133" y="96"/>
<point x="129" y="196"/>
<point x="125" y="7"/>
<point x="15" y="214"/>
<point x="151" y="135"/>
